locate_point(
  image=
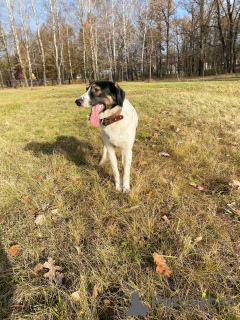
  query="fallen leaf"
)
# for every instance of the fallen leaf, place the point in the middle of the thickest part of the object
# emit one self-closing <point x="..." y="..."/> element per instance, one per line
<point x="59" y="277"/>
<point x="40" y="219"/>
<point x="193" y="184"/>
<point x="76" y="296"/>
<point x="106" y="302"/>
<point x="203" y="188"/>
<point x="61" y="169"/>
<point x="142" y="163"/>
<point x="198" y="239"/>
<point x="153" y="146"/>
<point x="38" y="177"/>
<point x="235" y="183"/>
<point x="26" y="199"/>
<point x="35" y="211"/>
<point x="19" y="306"/>
<point x="149" y="138"/>
<point x="233" y="206"/>
<point x="38" y="267"/>
<point x="14" y="250"/>
<point x="95" y="291"/>
<point x="162" y="268"/>
<point x="149" y="194"/>
<point x="165" y="218"/>
<point x="164" y="154"/>
<point x="156" y="134"/>
<point x="51" y="274"/>
<point x="78" y="182"/>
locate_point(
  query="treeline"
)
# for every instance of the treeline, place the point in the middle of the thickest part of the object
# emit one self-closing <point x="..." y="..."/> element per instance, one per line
<point x="117" y="39"/>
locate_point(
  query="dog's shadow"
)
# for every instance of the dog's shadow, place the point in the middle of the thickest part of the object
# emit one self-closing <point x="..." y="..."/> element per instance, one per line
<point x="6" y="285"/>
<point x="73" y="149"/>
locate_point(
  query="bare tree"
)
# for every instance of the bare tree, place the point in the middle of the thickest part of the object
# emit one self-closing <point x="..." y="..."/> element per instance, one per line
<point x="25" y="33"/>
<point x="40" y="44"/>
<point x="14" y="31"/>
<point x="53" y="8"/>
<point x="68" y="42"/>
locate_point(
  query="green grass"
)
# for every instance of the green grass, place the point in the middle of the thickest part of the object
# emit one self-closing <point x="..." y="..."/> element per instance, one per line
<point x="105" y="238"/>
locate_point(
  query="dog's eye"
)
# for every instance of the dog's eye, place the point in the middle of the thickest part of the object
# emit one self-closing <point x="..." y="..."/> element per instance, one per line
<point x="96" y="89"/>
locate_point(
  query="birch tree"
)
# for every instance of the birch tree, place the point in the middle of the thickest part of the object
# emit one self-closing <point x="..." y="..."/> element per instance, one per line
<point x="14" y="31"/>
<point x="53" y="8"/>
<point x="25" y="33"/>
<point x="40" y="44"/>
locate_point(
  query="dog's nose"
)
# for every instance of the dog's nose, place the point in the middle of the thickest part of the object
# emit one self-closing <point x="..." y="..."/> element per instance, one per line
<point x="79" y="102"/>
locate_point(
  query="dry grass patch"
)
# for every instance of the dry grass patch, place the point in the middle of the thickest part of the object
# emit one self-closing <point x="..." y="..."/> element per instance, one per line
<point x="104" y="240"/>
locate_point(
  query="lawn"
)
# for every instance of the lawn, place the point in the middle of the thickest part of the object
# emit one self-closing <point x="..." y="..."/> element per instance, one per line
<point x="56" y="202"/>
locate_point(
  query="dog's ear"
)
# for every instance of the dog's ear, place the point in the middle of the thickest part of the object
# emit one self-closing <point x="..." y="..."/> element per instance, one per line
<point x="120" y="94"/>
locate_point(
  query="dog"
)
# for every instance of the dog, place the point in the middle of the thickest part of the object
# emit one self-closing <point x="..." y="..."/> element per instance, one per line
<point x="118" y="119"/>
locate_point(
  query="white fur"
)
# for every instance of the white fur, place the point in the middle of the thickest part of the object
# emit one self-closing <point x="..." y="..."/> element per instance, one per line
<point x="120" y="134"/>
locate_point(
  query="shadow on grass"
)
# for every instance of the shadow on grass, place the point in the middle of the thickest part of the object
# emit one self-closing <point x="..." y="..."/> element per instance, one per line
<point x="74" y="149"/>
<point x="6" y="285"/>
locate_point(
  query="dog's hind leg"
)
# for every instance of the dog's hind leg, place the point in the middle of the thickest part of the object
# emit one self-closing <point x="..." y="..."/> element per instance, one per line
<point x="104" y="155"/>
<point x="127" y="166"/>
<point x="113" y="161"/>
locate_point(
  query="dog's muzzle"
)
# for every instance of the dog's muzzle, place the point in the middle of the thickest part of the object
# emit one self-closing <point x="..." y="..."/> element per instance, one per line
<point x="79" y="102"/>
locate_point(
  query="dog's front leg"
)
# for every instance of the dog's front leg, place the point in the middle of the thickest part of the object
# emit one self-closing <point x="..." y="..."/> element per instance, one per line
<point x="113" y="161"/>
<point x="127" y="157"/>
<point x="104" y="154"/>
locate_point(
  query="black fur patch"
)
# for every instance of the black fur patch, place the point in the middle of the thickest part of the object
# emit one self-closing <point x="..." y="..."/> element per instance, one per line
<point x="106" y="92"/>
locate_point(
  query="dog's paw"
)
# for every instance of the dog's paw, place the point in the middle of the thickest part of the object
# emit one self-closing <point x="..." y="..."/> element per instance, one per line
<point x="126" y="190"/>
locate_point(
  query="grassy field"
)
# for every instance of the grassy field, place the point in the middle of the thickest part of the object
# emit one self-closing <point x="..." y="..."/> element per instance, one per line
<point x="102" y="239"/>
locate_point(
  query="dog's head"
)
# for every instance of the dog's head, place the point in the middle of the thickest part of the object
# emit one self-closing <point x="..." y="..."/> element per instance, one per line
<point x="104" y="93"/>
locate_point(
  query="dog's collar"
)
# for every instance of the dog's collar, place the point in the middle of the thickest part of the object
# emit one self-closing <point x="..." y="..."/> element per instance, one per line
<point x="113" y="118"/>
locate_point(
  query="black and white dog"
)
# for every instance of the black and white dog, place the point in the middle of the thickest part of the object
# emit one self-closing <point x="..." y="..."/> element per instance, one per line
<point x="118" y="119"/>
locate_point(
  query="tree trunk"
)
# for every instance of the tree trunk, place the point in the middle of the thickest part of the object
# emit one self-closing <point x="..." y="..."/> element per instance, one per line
<point x="125" y="39"/>
<point x="26" y="43"/>
<point x="40" y="44"/>
<point x="4" y="42"/>
<point x="14" y="31"/>
<point x="68" y="43"/>
<point x="53" y="13"/>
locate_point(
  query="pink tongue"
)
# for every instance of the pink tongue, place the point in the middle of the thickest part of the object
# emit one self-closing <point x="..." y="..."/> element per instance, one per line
<point x="94" y="115"/>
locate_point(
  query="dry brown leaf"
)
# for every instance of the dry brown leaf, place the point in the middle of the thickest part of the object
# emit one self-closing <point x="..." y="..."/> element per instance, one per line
<point x="38" y="267"/>
<point x="38" y="177"/>
<point x="149" y="194"/>
<point x="203" y="188"/>
<point x="156" y="134"/>
<point x="165" y="218"/>
<point x="95" y="291"/>
<point x="51" y="274"/>
<point x="18" y="306"/>
<point x="142" y="163"/>
<point x="26" y="199"/>
<point x="76" y="296"/>
<point x="62" y="169"/>
<point x="162" y="268"/>
<point x="14" y="250"/>
<point x="193" y="184"/>
<point x="106" y="302"/>
<point x="153" y="146"/>
<point x="35" y="211"/>
<point x="78" y="182"/>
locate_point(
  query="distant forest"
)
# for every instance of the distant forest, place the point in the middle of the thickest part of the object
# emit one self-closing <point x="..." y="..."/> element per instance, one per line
<point x="82" y="40"/>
